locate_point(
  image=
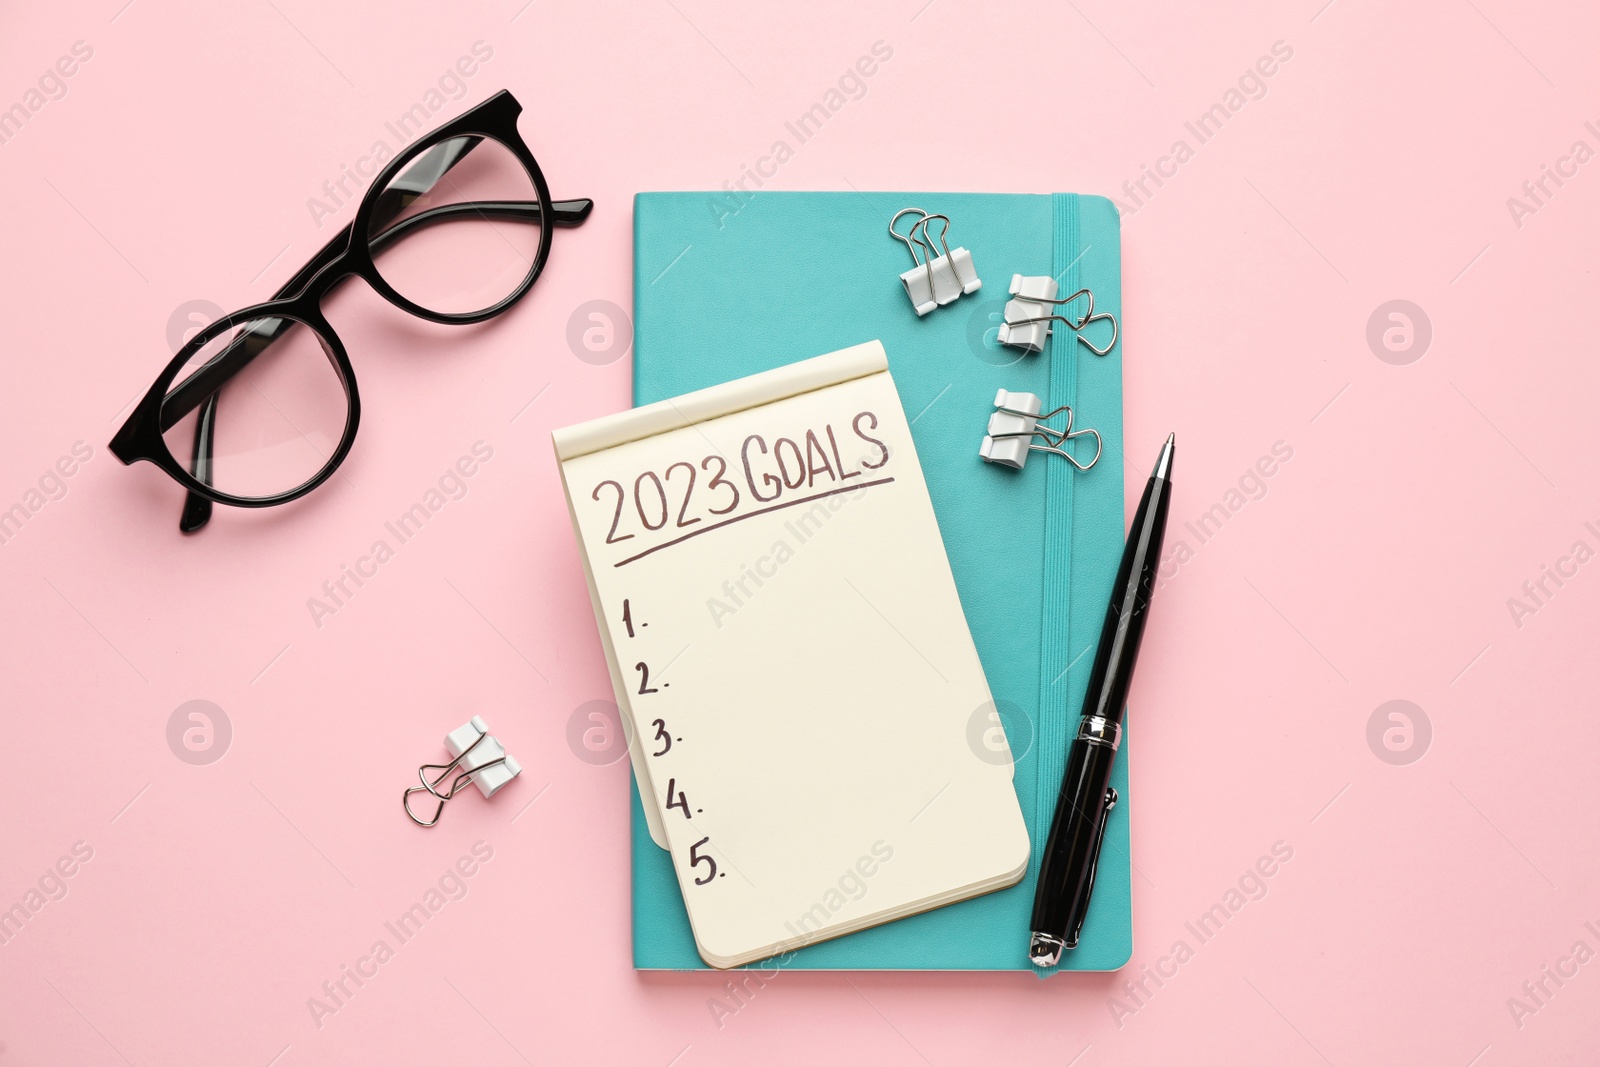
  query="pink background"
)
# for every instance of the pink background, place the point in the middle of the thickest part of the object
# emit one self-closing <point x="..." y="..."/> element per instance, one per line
<point x="1376" y="567"/>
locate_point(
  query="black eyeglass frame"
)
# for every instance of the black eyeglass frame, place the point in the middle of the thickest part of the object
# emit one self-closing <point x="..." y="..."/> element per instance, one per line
<point x="348" y="254"/>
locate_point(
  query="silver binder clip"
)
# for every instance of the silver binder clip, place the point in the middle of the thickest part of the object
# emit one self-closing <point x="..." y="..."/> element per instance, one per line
<point x="478" y="756"/>
<point x="1015" y="425"/>
<point x="1028" y="318"/>
<point x="934" y="279"/>
<point x="919" y="279"/>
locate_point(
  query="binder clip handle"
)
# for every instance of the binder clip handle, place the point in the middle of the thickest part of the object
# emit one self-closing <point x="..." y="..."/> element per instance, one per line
<point x="944" y="232"/>
<point x="910" y="239"/>
<point x="1076" y="326"/>
<point x="1059" y="438"/>
<point x="918" y="281"/>
<point x="1053" y="444"/>
<point x="952" y="260"/>
<point x="406" y="803"/>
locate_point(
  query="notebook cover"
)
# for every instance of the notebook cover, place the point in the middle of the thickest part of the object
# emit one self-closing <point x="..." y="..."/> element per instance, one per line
<point x="727" y="286"/>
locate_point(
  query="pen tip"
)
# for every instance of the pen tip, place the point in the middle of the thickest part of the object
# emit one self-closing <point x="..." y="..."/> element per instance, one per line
<point x="1164" y="461"/>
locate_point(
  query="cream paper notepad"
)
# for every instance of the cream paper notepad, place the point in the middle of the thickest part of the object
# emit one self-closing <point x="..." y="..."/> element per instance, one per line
<point x="785" y="641"/>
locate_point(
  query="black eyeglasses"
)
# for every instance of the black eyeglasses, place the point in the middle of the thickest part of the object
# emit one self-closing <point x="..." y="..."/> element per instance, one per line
<point x="263" y="401"/>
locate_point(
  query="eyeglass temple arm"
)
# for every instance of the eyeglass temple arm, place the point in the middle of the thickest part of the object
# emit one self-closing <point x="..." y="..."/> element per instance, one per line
<point x="201" y="387"/>
<point x="196" y="508"/>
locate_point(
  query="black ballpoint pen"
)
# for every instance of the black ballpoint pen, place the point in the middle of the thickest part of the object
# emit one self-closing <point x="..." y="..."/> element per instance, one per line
<point x="1072" y="852"/>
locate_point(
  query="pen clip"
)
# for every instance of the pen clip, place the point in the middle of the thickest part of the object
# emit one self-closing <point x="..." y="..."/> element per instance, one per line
<point x="1094" y="867"/>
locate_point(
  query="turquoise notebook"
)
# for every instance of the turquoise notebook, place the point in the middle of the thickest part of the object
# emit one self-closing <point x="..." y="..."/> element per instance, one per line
<point x="721" y="293"/>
